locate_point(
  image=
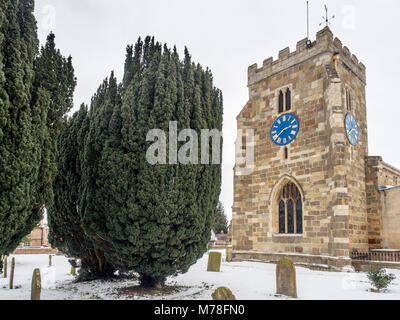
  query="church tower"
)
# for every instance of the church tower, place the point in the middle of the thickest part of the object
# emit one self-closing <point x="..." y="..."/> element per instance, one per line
<point x="304" y="195"/>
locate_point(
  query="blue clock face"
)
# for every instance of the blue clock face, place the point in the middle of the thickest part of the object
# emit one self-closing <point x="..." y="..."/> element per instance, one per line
<point x="285" y="129"/>
<point x="352" y="130"/>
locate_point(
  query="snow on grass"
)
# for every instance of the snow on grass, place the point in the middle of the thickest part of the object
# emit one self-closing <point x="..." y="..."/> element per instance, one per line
<point x="24" y="266"/>
<point x="247" y="280"/>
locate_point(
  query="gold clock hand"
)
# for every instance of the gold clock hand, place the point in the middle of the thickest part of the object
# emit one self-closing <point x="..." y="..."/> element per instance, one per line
<point x="284" y="130"/>
<point x="349" y="133"/>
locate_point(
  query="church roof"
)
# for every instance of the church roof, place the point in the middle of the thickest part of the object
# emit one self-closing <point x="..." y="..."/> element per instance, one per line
<point x="390" y="166"/>
<point x="383" y="188"/>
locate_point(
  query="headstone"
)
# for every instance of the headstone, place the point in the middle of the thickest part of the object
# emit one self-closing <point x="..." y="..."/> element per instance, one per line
<point x="229" y="254"/>
<point x="50" y="258"/>
<point x="74" y="265"/>
<point x="12" y="273"/>
<point x="223" y="293"/>
<point x="36" y="287"/>
<point x="286" y="278"/>
<point x="5" y="266"/>
<point x="214" y="262"/>
<point x="73" y="271"/>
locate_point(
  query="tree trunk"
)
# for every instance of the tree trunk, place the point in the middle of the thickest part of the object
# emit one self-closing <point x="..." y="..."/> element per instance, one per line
<point x="152" y="282"/>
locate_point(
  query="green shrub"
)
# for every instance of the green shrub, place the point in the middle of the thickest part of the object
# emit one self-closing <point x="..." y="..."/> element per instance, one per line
<point x="379" y="278"/>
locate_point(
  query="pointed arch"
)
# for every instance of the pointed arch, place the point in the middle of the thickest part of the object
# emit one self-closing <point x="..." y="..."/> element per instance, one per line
<point x="281" y="109"/>
<point x="348" y="99"/>
<point x="287" y="206"/>
<point x="288" y="99"/>
<point x="282" y="217"/>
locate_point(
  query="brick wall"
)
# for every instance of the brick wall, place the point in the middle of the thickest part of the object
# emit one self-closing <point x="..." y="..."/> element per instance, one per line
<point x="36" y="251"/>
<point x="39" y="237"/>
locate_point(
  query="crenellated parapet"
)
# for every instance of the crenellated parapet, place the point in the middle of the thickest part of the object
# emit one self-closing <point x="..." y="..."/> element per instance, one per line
<point x="324" y="43"/>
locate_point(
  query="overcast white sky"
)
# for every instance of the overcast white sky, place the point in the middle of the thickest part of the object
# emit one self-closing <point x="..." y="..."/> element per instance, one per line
<point x="228" y="36"/>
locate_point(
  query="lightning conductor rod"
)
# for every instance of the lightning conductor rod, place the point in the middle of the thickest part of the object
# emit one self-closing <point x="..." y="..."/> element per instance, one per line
<point x="308" y="20"/>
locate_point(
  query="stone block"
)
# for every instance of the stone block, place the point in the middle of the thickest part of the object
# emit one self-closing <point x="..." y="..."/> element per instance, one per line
<point x="36" y="286"/>
<point x="214" y="262"/>
<point x="286" y="278"/>
<point x="223" y="293"/>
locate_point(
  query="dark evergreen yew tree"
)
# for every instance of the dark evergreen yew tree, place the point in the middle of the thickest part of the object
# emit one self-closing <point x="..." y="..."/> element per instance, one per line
<point x="220" y="220"/>
<point x="52" y="96"/>
<point x="55" y="74"/>
<point x="101" y="142"/>
<point x="154" y="219"/>
<point x="20" y="126"/>
<point x="35" y="93"/>
<point x="66" y="232"/>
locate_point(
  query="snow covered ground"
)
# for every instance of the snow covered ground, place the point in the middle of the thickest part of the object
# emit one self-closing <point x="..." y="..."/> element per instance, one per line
<point x="247" y="280"/>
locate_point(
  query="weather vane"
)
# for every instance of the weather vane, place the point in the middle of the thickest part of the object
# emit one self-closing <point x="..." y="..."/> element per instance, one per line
<point x="326" y="18"/>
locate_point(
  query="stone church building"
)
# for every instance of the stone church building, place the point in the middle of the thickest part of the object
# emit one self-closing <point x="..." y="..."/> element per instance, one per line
<point x="312" y="193"/>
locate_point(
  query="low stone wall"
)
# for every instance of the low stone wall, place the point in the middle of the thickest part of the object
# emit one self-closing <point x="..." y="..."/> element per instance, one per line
<point x="35" y="251"/>
<point x="309" y="261"/>
<point x="364" y="266"/>
<point x="219" y="247"/>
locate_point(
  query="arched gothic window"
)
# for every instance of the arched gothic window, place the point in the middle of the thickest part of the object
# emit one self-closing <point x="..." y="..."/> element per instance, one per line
<point x="281" y="102"/>
<point x="288" y="100"/>
<point x="290" y="210"/>
<point x="348" y="100"/>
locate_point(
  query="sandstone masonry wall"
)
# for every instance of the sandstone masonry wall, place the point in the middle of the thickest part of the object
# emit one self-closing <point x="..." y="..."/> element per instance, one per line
<point x="378" y="173"/>
<point x="328" y="172"/>
<point x="391" y="218"/>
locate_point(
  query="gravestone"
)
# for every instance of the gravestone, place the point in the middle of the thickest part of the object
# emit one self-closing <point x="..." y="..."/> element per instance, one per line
<point x="223" y="293"/>
<point x="74" y="265"/>
<point x="12" y="273"/>
<point x="229" y="254"/>
<point x="286" y="278"/>
<point x="5" y="267"/>
<point x="214" y="262"/>
<point x="36" y="286"/>
<point x="73" y="271"/>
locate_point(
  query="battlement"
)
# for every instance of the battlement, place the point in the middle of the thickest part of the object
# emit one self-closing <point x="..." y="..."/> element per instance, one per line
<point x="324" y="43"/>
